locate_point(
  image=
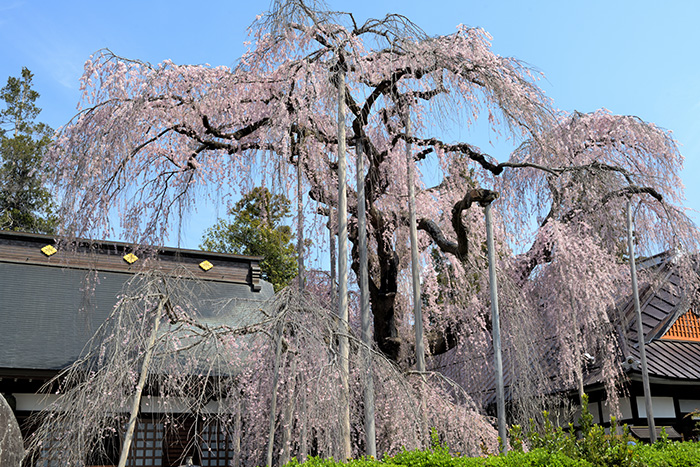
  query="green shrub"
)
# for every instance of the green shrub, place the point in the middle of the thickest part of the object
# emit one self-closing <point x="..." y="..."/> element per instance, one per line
<point x="590" y="444"/>
<point x="673" y="454"/>
<point x="549" y="446"/>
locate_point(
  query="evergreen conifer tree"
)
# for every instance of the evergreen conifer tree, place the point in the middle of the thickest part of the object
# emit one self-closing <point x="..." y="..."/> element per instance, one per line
<point x="256" y="229"/>
<point x="25" y="204"/>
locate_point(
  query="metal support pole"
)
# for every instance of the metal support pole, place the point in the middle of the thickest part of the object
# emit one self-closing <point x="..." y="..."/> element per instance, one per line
<point x="370" y="430"/>
<point x="640" y="329"/>
<point x="300" y="226"/>
<point x="415" y="266"/>
<point x="496" y="333"/>
<point x="334" y="259"/>
<point x="343" y="273"/>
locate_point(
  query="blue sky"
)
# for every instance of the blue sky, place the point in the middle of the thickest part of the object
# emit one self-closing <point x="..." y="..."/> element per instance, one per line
<point x="631" y="57"/>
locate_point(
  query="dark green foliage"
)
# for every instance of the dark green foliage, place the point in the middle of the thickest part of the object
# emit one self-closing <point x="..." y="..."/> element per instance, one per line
<point x="549" y="446"/>
<point x="256" y="229"/>
<point x="590" y="443"/>
<point x="24" y="202"/>
<point x="674" y="454"/>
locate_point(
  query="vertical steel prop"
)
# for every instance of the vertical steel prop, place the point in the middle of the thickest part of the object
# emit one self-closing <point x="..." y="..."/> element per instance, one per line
<point x="300" y="225"/>
<point x="334" y="293"/>
<point x="415" y="266"/>
<point x="496" y="331"/>
<point x="301" y="275"/>
<point x="343" y="271"/>
<point x="370" y="430"/>
<point x="640" y="329"/>
<point x="334" y="258"/>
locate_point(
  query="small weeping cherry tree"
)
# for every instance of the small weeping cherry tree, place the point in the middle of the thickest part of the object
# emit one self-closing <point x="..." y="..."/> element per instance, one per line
<point x="153" y="140"/>
<point x="157" y="349"/>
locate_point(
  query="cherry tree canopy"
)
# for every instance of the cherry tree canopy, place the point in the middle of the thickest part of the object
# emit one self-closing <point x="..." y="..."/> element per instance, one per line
<point x="151" y="141"/>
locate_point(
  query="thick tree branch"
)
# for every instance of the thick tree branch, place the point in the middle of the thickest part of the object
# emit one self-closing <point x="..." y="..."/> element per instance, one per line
<point x="460" y="249"/>
<point x="435" y="233"/>
<point x="237" y="135"/>
<point x="633" y="190"/>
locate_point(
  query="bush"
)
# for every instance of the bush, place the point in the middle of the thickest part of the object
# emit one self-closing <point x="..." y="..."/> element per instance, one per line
<point x="548" y="446"/>
<point x="672" y="454"/>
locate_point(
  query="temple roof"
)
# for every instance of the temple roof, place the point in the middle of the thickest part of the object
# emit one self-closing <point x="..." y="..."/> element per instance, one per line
<point x="52" y="303"/>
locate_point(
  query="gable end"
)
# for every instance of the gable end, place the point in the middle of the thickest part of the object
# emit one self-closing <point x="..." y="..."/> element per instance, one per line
<point x="686" y="328"/>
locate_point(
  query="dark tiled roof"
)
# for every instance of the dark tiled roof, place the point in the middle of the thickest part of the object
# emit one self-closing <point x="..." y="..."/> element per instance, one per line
<point x="23" y="248"/>
<point x="673" y="359"/>
<point x="658" y="305"/>
<point x="661" y="304"/>
<point x="49" y="311"/>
